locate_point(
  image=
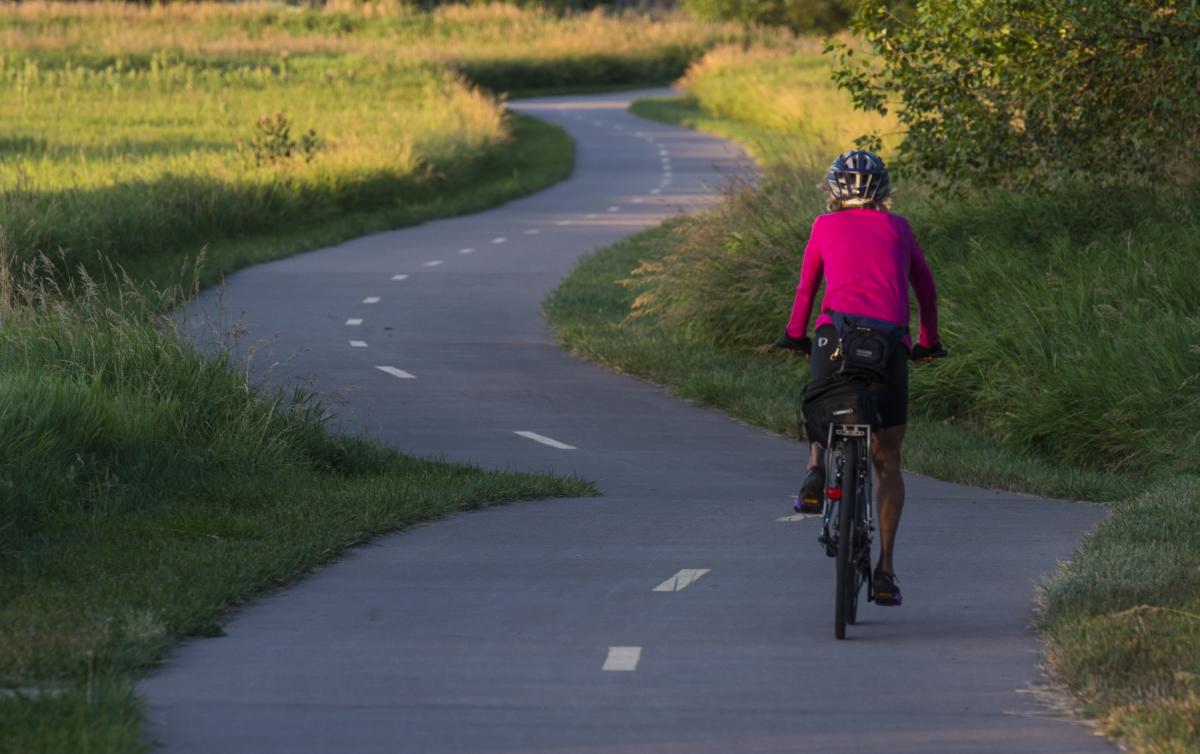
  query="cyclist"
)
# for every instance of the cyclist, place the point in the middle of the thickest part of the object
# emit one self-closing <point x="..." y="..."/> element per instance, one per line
<point x="868" y="257"/>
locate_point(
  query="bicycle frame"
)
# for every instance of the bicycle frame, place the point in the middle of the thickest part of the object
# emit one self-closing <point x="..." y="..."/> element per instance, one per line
<point x="848" y="454"/>
<point x="835" y="462"/>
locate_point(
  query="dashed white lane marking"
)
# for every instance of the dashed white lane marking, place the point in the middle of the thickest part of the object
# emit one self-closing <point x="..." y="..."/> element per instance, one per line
<point x="353" y="322"/>
<point x="434" y="263"/>
<point x="622" y="658"/>
<point x="358" y="344"/>
<point x="636" y="200"/>
<point x="466" y="251"/>
<point x="614" y="208"/>
<point x="592" y="216"/>
<point x="397" y="373"/>
<point x="563" y="223"/>
<point x="532" y="232"/>
<point x="619" y="128"/>
<point x="656" y="191"/>
<point x="399" y="277"/>
<point x="544" y="440"/>
<point x="797" y="517"/>
<point x="499" y="239"/>
<point x="681" y="580"/>
<point x="665" y="160"/>
<point x="597" y="123"/>
<point x="371" y="300"/>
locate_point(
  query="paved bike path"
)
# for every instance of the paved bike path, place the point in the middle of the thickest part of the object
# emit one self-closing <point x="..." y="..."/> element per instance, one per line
<point x="674" y="614"/>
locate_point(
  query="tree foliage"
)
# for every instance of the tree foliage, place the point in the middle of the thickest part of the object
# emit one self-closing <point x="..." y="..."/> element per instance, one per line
<point x="1024" y="91"/>
<point x="800" y="16"/>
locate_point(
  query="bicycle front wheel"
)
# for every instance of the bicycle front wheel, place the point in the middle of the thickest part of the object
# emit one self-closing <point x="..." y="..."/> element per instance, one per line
<point x="847" y="587"/>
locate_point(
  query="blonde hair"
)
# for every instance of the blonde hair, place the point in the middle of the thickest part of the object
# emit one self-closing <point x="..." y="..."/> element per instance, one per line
<point x="833" y="204"/>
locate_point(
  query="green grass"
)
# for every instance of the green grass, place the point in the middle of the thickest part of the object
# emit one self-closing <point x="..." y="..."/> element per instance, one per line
<point x="538" y="155"/>
<point x="145" y="168"/>
<point x="1121" y="620"/>
<point x="1075" y="372"/>
<point x="148" y="489"/>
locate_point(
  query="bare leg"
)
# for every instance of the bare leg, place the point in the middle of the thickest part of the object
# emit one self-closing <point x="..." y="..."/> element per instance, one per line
<point x="890" y="486"/>
<point x="816" y="456"/>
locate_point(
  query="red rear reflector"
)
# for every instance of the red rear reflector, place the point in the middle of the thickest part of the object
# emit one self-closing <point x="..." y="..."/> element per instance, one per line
<point x="834" y="493"/>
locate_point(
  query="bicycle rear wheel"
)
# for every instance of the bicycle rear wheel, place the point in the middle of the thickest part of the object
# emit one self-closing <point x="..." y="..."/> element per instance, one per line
<point x="845" y="611"/>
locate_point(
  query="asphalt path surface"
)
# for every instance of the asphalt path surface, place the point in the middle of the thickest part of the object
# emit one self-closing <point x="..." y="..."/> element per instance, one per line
<point x="677" y="612"/>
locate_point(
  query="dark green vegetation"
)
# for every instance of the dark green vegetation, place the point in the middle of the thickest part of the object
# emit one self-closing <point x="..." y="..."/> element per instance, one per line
<point x="148" y="488"/>
<point x="801" y="16"/>
<point x="1071" y="317"/>
<point x="1035" y="91"/>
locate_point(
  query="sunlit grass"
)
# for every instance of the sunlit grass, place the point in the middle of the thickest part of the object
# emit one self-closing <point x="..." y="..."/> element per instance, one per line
<point x="135" y="163"/>
<point x="128" y="129"/>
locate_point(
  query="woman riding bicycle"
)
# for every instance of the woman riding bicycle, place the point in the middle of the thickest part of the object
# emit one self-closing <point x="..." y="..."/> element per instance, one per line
<point x="868" y="257"/>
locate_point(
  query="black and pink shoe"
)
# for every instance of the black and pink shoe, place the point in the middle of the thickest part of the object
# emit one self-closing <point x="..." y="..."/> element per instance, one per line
<point x="812" y="492"/>
<point x="887" y="591"/>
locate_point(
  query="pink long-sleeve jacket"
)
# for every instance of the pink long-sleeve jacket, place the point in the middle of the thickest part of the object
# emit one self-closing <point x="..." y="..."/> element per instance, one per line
<point x="868" y="259"/>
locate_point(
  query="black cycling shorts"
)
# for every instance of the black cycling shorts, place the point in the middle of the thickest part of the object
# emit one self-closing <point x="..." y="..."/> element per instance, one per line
<point x="890" y="396"/>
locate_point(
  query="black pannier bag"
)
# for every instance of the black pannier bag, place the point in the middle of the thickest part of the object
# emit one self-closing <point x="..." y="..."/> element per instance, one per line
<point x="836" y="400"/>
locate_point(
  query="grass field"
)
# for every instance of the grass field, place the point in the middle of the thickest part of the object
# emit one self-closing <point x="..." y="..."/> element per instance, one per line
<point x="145" y="133"/>
<point x="1072" y="321"/>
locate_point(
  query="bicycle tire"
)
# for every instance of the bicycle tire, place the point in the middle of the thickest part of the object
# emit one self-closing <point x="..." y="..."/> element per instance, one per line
<point x="860" y="542"/>
<point x="846" y="566"/>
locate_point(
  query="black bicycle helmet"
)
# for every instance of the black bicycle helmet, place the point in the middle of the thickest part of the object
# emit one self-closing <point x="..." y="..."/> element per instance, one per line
<point x="858" y="177"/>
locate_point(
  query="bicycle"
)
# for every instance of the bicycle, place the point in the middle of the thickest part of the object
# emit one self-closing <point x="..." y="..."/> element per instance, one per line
<point x="848" y="522"/>
<point x="849" y="416"/>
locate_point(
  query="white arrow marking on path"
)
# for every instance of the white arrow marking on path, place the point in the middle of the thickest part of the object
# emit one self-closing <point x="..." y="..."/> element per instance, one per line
<point x="681" y="580"/>
<point x="797" y="517"/>
<point x="544" y="440"/>
<point x="399" y="373"/>
<point x="622" y="658"/>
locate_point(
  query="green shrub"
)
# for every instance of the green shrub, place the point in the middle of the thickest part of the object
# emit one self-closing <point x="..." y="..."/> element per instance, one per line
<point x="1035" y="91"/>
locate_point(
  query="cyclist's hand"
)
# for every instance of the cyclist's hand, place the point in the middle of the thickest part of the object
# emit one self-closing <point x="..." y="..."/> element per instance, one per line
<point x="801" y="345"/>
<point x="926" y="355"/>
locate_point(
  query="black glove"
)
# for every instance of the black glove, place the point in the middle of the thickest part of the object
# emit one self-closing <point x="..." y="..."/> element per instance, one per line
<point x="921" y="353"/>
<point x="803" y="345"/>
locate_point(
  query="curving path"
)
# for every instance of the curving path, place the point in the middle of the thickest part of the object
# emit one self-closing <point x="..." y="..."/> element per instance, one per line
<point x="675" y="614"/>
